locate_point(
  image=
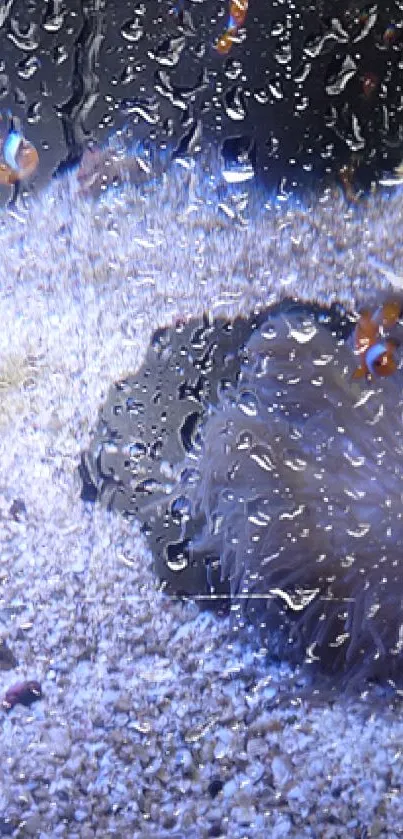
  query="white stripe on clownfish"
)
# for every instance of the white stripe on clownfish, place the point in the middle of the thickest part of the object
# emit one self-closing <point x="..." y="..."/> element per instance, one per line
<point x="11" y="148"/>
<point x="19" y="156"/>
<point x="373" y="354"/>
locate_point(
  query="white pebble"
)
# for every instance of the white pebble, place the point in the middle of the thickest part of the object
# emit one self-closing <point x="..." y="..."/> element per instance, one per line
<point x="281" y="769"/>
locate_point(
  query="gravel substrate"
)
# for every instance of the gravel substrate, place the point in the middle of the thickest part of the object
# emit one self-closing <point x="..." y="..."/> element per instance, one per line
<point x="154" y="720"/>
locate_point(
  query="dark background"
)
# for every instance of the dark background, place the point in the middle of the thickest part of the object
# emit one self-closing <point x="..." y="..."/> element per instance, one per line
<point x="312" y="87"/>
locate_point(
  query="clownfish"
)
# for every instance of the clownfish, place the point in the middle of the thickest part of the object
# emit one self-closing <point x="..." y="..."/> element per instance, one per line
<point x="237" y="15"/>
<point x="20" y="159"/>
<point x="377" y="352"/>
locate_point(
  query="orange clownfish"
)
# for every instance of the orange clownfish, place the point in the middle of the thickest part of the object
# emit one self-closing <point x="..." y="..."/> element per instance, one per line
<point x="237" y="16"/>
<point x="377" y="352"/>
<point x="20" y="159"/>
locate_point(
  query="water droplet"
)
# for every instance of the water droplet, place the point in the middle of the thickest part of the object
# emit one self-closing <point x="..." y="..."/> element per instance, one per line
<point x="144" y="107"/>
<point x="34" y="113"/>
<point x="129" y="74"/>
<point x="239" y="154"/>
<point x="235" y="103"/>
<point x="299" y="599"/>
<point x="356" y="461"/>
<point x="261" y="95"/>
<point x="28" y="67"/>
<point x="233" y="69"/>
<point x="150" y="486"/>
<point x="247" y="403"/>
<point x="181" y="509"/>
<point x="137" y="450"/>
<point x="294" y="462"/>
<point x="133" y="407"/>
<point x="303" y="72"/>
<point x="283" y="54"/>
<point x="277" y="29"/>
<point x="367" y="20"/>
<point x="244" y="441"/>
<point x="60" y="54"/>
<point x="190" y="477"/>
<point x="276" y="89"/>
<point x="268" y="331"/>
<point x="54" y="18"/>
<point x="169" y="51"/>
<point x="177" y="558"/>
<point x="304" y="333"/>
<point x="190" y="141"/>
<point x="132" y="30"/>
<point x="24" y="35"/>
<point x="262" y="456"/>
<point x="339" y="75"/>
<point x="362" y="530"/>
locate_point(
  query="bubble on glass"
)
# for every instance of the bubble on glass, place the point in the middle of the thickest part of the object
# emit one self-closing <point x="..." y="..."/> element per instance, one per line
<point x="27" y="68"/>
<point x="339" y="75"/>
<point x="132" y="30"/>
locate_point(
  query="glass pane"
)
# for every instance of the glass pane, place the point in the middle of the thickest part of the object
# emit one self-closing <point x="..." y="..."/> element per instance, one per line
<point x="201" y="441"/>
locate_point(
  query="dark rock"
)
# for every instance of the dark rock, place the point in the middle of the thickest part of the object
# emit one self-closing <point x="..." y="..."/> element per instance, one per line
<point x="22" y="693"/>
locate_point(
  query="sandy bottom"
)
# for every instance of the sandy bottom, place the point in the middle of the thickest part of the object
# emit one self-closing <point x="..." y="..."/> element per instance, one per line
<point x="154" y="722"/>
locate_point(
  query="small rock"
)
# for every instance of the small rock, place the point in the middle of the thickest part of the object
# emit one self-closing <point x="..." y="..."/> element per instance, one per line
<point x="184" y="759"/>
<point x="255" y="747"/>
<point x="7" y="660"/>
<point x="297" y="793"/>
<point x="230" y="788"/>
<point x="124" y="703"/>
<point x="243" y="815"/>
<point x="281" y="769"/>
<point x="18" y="509"/>
<point x="215" y="786"/>
<point x="7" y="827"/>
<point x="82" y="813"/>
<point x="87" y="833"/>
<point x="283" y="827"/>
<point x="32" y="824"/>
<point x="215" y="831"/>
<point x="59" y="741"/>
<point x="23" y="693"/>
<point x="255" y="771"/>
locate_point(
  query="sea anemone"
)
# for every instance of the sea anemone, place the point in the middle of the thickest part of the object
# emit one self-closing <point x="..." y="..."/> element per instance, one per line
<point x="298" y="481"/>
<point x="290" y="499"/>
